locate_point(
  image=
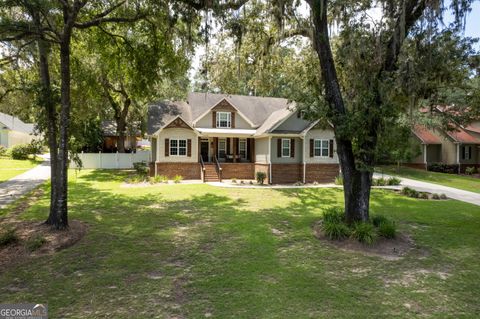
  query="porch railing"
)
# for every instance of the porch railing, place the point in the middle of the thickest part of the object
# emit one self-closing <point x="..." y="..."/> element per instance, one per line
<point x="218" y="168"/>
<point x="203" y="168"/>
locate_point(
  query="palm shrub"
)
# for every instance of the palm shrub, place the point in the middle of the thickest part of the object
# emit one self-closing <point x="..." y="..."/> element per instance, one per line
<point x="470" y="170"/>
<point x="339" y="180"/>
<point x="260" y="176"/>
<point x="364" y="232"/>
<point x="177" y="179"/>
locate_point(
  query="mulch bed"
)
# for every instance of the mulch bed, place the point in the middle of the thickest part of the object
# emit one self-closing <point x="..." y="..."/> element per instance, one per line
<point x="389" y="249"/>
<point x="56" y="240"/>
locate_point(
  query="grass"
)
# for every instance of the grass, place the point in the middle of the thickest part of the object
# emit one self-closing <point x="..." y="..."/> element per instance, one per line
<point x="10" y="168"/>
<point x="467" y="183"/>
<point x="196" y="251"/>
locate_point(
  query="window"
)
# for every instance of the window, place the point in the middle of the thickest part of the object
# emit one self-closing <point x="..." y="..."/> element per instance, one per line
<point x="466" y="152"/>
<point x="242" y="148"/>
<point x="285" y="147"/>
<point x="222" y="147"/>
<point x="224" y="119"/>
<point x="178" y="147"/>
<point x="321" y="148"/>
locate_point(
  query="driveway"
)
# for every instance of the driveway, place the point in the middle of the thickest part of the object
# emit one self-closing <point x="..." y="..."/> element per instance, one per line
<point x="454" y="193"/>
<point x="20" y="185"/>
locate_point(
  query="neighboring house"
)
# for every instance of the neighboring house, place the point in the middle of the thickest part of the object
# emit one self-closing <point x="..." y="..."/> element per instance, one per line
<point x="13" y="131"/>
<point x="215" y="136"/>
<point x="459" y="146"/>
<point x="110" y="137"/>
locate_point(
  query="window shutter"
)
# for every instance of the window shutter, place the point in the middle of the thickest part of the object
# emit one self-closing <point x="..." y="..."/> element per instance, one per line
<point x="292" y="147"/>
<point x="214" y="119"/>
<point x="463" y="152"/>
<point x="189" y="148"/>
<point x="279" y="147"/>
<point x="167" y="147"/>
<point x="311" y="147"/>
<point x="228" y="146"/>
<point x="232" y="119"/>
<point x="330" y="151"/>
<point x="469" y="152"/>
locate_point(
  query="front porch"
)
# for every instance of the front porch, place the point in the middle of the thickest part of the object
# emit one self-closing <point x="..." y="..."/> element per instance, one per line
<point x="226" y="149"/>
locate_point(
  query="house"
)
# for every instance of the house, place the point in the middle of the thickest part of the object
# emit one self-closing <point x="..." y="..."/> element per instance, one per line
<point x="459" y="146"/>
<point x="13" y="131"/>
<point x="218" y="136"/>
<point x="111" y="137"/>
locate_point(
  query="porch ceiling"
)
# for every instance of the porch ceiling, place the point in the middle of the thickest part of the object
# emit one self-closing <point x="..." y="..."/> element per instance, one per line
<point x="226" y="132"/>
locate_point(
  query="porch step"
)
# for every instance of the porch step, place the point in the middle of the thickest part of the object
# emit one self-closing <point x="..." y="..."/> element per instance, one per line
<point x="210" y="173"/>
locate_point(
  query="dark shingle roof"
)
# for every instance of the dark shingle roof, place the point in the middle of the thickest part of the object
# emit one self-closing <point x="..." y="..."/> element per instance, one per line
<point x="255" y="109"/>
<point x="109" y="128"/>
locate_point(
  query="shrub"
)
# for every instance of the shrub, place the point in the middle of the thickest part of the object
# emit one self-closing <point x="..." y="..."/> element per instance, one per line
<point x="339" y="180"/>
<point x="234" y="180"/>
<point x="443" y="168"/>
<point x="8" y="236"/>
<point x="435" y="196"/>
<point x="158" y="179"/>
<point x="335" y="230"/>
<point x="379" y="181"/>
<point x="393" y="181"/>
<point x="364" y="233"/>
<point x="378" y="219"/>
<point x="387" y="229"/>
<point x="141" y="168"/>
<point x="177" y="179"/>
<point x="470" y="170"/>
<point x="333" y="214"/>
<point x="423" y="196"/>
<point x="443" y="196"/>
<point x="407" y="191"/>
<point x="20" y="151"/>
<point x="251" y="182"/>
<point x="3" y="151"/>
<point x="135" y="179"/>
<point x="35" y="242"/>
<point x="260" y="176"/>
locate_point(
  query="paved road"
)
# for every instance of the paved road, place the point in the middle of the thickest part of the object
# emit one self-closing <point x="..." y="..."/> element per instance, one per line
<point x="19" y="185"/>
<point x="455" y="193"/>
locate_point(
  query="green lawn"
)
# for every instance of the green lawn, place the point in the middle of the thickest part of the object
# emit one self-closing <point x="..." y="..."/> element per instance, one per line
<point x="10" y="168"/>
<point x="196" y="251"/>
<point x="458" y="181"/>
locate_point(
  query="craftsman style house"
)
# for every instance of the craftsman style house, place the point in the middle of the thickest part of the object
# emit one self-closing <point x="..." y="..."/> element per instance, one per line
<point x="216" y="136"/>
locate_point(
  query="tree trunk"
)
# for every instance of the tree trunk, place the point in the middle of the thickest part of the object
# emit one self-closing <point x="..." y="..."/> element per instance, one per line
<point x="356" y="183"/>
<point x="48" y="103"/>
<point x="62" y="183"/>
<point x="121" y="127"/>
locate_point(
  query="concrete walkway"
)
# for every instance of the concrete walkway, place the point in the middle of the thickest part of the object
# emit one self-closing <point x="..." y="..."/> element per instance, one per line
<point x="454" y="193"/>
<point x="19" y="185"/>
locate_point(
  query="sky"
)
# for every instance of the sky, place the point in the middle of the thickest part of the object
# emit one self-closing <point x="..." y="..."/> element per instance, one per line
<point x="472" y="29"/>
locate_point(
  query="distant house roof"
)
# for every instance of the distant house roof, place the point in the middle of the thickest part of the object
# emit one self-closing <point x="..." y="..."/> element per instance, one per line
<point x="15" y="124"/>
<point x="109" y="128"/>
<point x="425" y="135"/>
<point x="473" y="128"/>
<point x="461" y="136"/>
<point x="262" y="112"/>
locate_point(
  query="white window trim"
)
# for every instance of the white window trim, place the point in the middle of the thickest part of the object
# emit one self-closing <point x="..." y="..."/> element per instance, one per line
<point x="178" y="147"/>
<point x="246" y="147"/>
<point x="225" y="143"/>
<point x="229" y="120"/>
<point x="467" y="151"/>
<point x="289" y="147"/>
<point x="321" y="142"/>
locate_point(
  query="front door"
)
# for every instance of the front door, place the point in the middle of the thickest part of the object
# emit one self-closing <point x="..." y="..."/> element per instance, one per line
<point x="204" y="150"/>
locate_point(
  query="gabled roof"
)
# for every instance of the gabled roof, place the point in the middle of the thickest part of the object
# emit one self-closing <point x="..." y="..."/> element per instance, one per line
<point x="425" y="135"/>
<point x="15" y="124"/>
<point x="461" y="136"/>
<point x="162" y="113"/>
<point x="230" y="104"/>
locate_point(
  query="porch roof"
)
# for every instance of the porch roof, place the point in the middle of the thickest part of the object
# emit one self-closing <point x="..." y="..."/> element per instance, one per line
<point x="461" y="136"/>
<point x="226" y="131"/>
<point x="425" y="135"/>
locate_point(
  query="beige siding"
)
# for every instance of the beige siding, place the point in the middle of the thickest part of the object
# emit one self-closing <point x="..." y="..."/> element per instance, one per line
<point x="293" y="123"/>
<point x="176" y="133"/>
<point x="286" y="160"/>
<point x="261" y="150"/>
<point x="320" y="134"/>
<point x="449" y="149"/>
<point x="206" y="122"/>
<point x="15" y="137"/>
<point x="4" y="138"/>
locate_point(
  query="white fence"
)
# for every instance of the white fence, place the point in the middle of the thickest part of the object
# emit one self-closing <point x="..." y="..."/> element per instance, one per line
<point x="112" y="160"/>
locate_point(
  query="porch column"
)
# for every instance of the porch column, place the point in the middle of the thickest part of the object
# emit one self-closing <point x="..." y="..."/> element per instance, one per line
<point x="215" y="147"/>
<point x="425" y="155"/>
<point x="235" y="143"/>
